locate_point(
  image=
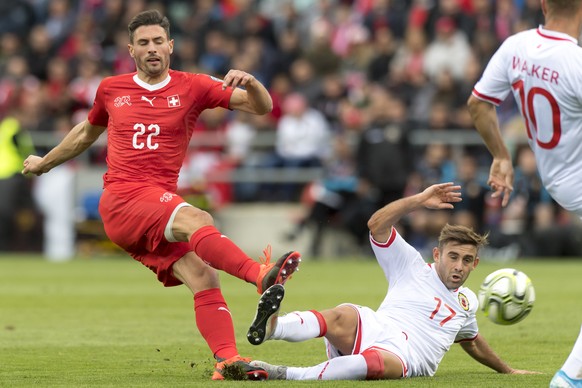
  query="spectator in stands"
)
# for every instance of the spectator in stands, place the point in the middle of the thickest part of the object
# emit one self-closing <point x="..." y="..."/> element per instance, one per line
<point x="303" y="138"/>
<point x="60" y="20"/>
<point x="449" y="51"/>
<point x="56" y="90"/>
<point x="39" y="52"/>
<point x="320" y="55"/>
<point x="406" y="73"/>
<point x="435" y="165"/>
<point x="382" y="159"/>
<point x="386" y="14"/>
<point x="385" y="47"/>
<point x="15" y="145"/>
<point x="471" y="211"/>
<point x="333" y="93"/>
<point x="54" y="196"/>
<point x="16" y="16"/>
<point x="304" y="79"/>
<point x="329" y="198"/>
<point x="10" y="46"/>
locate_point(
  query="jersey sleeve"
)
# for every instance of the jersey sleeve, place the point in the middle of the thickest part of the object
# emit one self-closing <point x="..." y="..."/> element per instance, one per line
<point x="98" y="114"/>
<point x="470" y="329"/>
<point x="396" y="256"/>
<point x="494" y="85"/>
<point x="214" y="97"/>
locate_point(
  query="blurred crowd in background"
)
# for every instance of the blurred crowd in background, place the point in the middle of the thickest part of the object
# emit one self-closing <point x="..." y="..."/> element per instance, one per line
<point x="359" y="89"/>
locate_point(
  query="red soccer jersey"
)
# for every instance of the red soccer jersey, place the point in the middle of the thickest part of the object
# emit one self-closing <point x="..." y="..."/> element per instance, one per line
<point x="149" y="126"/>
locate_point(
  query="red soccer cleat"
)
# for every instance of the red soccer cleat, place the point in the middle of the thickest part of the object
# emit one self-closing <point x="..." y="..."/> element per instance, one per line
<point x="237" y="368"/>
<point x="279" y="272"/>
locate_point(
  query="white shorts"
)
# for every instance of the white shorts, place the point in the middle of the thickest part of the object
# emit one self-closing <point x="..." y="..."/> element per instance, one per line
<point x="375" y="332"/>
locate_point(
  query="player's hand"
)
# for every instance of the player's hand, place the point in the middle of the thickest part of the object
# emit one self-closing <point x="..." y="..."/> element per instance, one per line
<point x="501" y="179"/>
<point x="236" y="78"/>
<point x="441" y="196"/>
<point x="33" y="165"/>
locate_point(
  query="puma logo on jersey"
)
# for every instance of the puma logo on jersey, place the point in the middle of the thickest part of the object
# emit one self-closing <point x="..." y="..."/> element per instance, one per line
<point x="144" y="98"/>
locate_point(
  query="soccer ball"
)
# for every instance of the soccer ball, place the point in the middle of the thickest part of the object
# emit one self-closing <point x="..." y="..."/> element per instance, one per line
<point x="506" y="296"/>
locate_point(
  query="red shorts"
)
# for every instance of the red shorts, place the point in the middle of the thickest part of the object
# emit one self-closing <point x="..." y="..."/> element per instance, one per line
<point x="135" y="218"/>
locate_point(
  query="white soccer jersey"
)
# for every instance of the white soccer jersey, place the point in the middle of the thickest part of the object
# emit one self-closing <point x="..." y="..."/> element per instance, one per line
<point x="543" y="70"/>
<point x="430" y="315"/>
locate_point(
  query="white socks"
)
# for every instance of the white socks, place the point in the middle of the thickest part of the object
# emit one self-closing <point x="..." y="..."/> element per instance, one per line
<point x="340" y="368"/>
<point x="573" y="365"/>
<point x="297" y="326"/>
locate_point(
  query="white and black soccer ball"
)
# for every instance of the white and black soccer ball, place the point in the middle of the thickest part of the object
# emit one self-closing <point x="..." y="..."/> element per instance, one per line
<point x="506" y="296"/>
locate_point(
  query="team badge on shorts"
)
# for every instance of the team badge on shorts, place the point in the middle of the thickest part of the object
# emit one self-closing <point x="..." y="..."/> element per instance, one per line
<point x="463" y="301"/>
<point x="167" y="197"/>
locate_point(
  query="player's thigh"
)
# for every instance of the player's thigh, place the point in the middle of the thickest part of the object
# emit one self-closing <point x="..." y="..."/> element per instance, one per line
<point x="342" y="326"/>
<point x="195" y="273"/>
<point x="140" y="220"/>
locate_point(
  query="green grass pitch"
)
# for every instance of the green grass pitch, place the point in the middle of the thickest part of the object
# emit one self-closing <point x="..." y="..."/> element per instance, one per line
<point x="108" y="322"/>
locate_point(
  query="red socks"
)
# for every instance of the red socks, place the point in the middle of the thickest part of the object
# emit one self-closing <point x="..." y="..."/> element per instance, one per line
<point x="220" y="252"/>
<point x="215" y="322"/>
<point x="321" y="322"/>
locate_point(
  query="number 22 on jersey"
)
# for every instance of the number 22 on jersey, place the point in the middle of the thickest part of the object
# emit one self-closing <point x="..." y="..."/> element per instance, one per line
<point x="138" y="137"/>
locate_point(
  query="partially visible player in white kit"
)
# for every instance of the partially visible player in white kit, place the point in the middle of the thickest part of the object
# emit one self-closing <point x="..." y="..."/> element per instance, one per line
<point x="425" y="311"/>
<point x="542" y="67"/>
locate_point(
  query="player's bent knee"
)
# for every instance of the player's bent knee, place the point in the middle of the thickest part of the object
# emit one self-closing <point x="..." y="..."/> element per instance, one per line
<point x="375" y="363"/>
<point x="190" y="217"/>
<point x="187" y="221"/>
<point x="382" y="365"/>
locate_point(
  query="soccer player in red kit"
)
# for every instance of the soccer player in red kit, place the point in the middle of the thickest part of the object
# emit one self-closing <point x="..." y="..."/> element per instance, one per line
<point x="149" y="116"/>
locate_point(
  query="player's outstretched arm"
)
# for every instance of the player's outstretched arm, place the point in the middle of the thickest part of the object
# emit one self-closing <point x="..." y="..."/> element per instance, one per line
<point x="253" y="99"/>
<point x="75" y="142"/>
<point x="501" y="174"/>
<point x="480" y="350"/>
<point x="439" y="196"/>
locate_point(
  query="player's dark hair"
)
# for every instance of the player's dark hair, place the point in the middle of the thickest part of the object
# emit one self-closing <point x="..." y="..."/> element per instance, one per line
<point x="461" y="235"/>
<point x="151" y="17"/>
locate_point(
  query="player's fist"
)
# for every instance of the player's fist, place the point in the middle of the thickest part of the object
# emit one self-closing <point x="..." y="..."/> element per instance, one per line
<point x="236" y="78"/>
<point x="33" y="165"/>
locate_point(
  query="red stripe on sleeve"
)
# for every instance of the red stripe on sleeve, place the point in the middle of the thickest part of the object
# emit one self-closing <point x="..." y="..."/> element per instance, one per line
<point x="387" y="243"/>
<point x="483" y="97"/>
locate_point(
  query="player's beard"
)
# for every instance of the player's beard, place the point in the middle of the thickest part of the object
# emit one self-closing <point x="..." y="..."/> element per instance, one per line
<point x="152" y="70"/>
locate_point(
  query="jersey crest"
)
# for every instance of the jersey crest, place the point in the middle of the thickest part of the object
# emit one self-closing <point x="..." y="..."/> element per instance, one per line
<point x="173" y="101"/>
<point x="463" y="301"/>
<point x="121" y="100"/>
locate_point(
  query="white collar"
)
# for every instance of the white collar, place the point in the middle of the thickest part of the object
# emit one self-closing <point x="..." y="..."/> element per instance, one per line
<point x="556" y="35"/>
<point x="149" y="87"/>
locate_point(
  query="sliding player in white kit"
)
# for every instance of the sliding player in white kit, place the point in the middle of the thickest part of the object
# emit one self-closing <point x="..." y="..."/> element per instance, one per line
<point x="542" y="67"/>
<point x="425" y="311"/>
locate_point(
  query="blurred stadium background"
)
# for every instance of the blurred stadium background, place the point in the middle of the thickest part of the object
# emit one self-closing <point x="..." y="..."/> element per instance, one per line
<point x="369" y="106"/>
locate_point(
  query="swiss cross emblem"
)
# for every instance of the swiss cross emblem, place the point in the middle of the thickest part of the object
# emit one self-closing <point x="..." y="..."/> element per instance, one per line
<point x="173" y="101"/>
